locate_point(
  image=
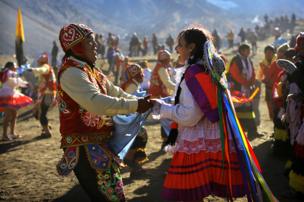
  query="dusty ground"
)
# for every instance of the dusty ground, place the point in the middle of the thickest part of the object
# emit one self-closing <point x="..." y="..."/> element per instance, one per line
<point x="27" y="166"/>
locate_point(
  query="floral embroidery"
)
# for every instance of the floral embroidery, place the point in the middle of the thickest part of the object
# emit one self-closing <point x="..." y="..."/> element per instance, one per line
<point x="87" y="119"/>
<point x="92" y="120"/>
<point x="68" y="161"/>
<point x="110" y="183"/>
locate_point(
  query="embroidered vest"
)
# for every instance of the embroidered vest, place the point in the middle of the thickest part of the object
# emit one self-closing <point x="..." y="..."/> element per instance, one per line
<point x="157" y="88"/>
<point x="75" y="120"/>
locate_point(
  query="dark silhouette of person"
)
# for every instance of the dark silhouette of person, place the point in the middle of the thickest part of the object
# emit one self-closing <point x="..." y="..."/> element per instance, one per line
<point x="54" y="54"/>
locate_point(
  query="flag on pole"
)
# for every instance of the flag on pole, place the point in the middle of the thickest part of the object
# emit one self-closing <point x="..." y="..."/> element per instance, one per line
<point x="19" y="39"/>
<point x="19" y="26"/>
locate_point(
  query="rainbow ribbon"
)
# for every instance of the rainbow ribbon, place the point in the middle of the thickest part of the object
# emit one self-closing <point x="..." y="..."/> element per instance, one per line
<point x="256" y="186"/>
<point x="258" y="190"/>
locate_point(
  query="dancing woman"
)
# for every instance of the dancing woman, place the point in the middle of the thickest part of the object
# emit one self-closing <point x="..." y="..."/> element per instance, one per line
<point x="11" y="99"/>
<point x="211" y="154"/>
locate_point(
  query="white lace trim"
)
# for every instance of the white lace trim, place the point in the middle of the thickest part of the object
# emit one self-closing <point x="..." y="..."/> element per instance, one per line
<point x="199" y="145"/>
<point x="205" y="136"/>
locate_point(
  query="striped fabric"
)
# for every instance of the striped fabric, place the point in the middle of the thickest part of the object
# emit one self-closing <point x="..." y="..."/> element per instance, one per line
<point x="192" y="177"/>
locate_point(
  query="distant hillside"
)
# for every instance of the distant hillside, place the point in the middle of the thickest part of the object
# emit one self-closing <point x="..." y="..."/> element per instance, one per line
<point x="43" y="18"/>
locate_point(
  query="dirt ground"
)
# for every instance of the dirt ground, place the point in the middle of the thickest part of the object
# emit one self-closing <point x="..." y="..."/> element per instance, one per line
<point x="27" y="165"/>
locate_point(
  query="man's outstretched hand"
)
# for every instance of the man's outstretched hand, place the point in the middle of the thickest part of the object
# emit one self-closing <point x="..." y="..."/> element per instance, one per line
<point x="144" y="104"/>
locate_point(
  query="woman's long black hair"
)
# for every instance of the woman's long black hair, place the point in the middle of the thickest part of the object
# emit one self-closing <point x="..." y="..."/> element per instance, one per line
<point x="8" y="65"/>
<point x="198" y="36"/>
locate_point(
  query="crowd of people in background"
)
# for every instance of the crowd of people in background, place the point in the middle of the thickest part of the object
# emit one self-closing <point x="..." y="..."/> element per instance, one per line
<point x="271" y="27"/>
<point x="280" y="72"/>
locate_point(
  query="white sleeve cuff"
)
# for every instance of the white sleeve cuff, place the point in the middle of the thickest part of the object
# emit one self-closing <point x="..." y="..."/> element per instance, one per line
<point x="166" y="111"/>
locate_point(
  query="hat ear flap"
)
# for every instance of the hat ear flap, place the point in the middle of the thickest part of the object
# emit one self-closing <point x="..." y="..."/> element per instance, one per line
<point x="78" y="49"/>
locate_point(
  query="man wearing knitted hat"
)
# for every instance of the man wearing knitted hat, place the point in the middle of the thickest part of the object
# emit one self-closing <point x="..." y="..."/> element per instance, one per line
<point x="135" y="78"/>
<point x="87" y="100"/>
<point x="160" y="83"/>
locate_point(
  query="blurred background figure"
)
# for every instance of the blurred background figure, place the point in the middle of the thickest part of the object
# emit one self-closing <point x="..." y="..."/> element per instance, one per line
<point x="170" y="43"/>
<point x="145" y="85"/>
<point x="216" y="40"/>
<point x="160" y="83"/>
<point x="10" y="99"/>
<point x="46" y="93"/>
<point x="155" y="44"/>
<point x="230" y="38"/>
<point x="242" y="77"/>
<point x="265" y="76"/>
<point x="54" y="54"/>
